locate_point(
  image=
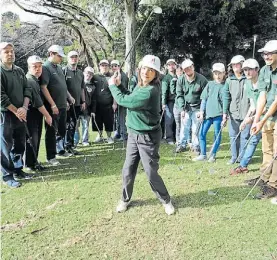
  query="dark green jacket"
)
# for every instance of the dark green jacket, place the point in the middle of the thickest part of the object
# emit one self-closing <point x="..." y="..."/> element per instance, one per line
<point x="75" y="83"/>
<point x="251" y="92"/>
<point x="238" y="101"/>
<point x="188" y="93"/>
<point x="33" y="83"/>
<point x="52" y="76"/>
<point x="213" y="93"/>
<point x="14" y="87"/>
<point x="167" y="94"/>
<point x="103" y="94"/>
<point x="268" y="82"/>
<point x="143" y="108"/>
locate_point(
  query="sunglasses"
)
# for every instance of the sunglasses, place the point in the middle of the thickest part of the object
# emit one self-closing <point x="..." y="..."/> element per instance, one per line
<point x="268" y="54"/>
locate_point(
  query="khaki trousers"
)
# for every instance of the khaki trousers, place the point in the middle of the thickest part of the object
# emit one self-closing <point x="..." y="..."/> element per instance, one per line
<point x="269" y="148"/>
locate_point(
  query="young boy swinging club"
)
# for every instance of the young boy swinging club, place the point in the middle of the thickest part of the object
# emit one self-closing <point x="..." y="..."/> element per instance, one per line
<point x="144" y="131"/>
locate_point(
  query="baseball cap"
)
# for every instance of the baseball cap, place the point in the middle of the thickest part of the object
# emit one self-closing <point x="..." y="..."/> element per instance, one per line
<point x="270" y="46"/>
<point x="237" y="59"/>
<point x="34" y="59"/>
<point x="116" y="62"/>
<point x="187" y="63"/>
<point x="58" y="49"/>
<point x="218" y="67"/>
<point x="89" y="69"/>
<point x="250" y="63"/>
<point x="72" y="53"/>
<point x="3" y="45"/>
<point x="171" y="60"/>
<point x="152" y="62"/>
<point x="104" y="62"/>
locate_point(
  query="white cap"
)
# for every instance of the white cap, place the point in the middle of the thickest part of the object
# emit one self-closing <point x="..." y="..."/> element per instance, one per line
<point x="251" y="63"/>
<point x="116" y="62"/>
<point x="104" y="62"/>
<point x="152" y="62"/>
<point x="237" y="59"/>
<point x="72" y="53"/>
<point x="187" y="63"/>
<point x="89" y="69"/>
<point x="269" y="46"/>
<point x="218" y="67"/>
<point x="34" y="59"/>
<point x="58" y="49"/>
<point x="171" y="60"/>
<point x="3" y="45"/>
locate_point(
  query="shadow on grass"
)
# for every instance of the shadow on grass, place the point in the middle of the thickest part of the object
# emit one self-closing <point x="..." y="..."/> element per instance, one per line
<point x="202" y="199"/>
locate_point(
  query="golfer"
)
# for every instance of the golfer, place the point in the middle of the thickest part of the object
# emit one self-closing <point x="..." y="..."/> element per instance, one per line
<point x="144" y="131"/>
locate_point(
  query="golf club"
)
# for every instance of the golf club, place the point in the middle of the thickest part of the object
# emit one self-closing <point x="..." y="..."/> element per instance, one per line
<point x="114" y="123"/>
<point x="241" y="204"/>
<point x="30" y="139"/>
<point x="162" y="115"/>
<point x="156" y="10"/>
<point x="99" y="132"/>
<point x="233" y="142"/>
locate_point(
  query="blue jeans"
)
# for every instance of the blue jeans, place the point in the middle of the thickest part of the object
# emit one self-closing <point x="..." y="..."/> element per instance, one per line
<point x="13" y="136"/>
<point x="84" y="120"/>
<point x="250" y="150"/>
<point x="190" y="125"/>
<point x="179" y="124"/>
<point x="216" y="121"/>
<point x="237" y="147"/>
<point x="169" y="120"/>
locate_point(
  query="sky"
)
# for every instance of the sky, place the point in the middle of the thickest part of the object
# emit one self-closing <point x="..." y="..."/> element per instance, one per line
<point x="24" y="16"/>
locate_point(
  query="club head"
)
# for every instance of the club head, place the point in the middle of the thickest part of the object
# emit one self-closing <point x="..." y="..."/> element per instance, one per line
<point x="157" y="10"/>
<point x="212" y="193"/>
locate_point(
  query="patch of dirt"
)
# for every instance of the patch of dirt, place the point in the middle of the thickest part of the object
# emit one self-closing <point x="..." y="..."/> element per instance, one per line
<point x="52" y="206"/>
<point x="14" y="226"/>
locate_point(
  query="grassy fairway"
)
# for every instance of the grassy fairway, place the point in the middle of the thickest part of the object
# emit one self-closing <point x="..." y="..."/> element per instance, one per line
<point x="72" y="214"/>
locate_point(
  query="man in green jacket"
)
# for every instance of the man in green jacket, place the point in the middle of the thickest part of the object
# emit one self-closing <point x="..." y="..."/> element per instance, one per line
<point x="54" y="89"/>
<point x="168" y="100"/>
<point x="105" y="104"/>
<point x="75" y="85"/>
<point x="188" y="90"/>
<point x="15" y="96"/>
<point x="237" y="107"/>
<point x="35" y="114"/>
<point x="121" y="130"/>
<point x="268" y="124"/>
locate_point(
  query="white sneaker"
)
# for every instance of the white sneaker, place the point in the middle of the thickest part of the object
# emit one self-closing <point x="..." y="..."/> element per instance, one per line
<point x="169" y="208"/>
<point x="200" y="158"/>
<point x="98" y="139"/>
<point x="212" y="159"/>
<point x="110" y="140"/>
<point x="274" y="201"/>
<point x="85" y="144"/>
<point x="122" y="206"/>
<point x="54" y="162"/>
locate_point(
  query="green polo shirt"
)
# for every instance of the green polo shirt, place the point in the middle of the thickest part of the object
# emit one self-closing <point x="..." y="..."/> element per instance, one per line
<point x="252" y="93"/>
<point x="33" y="83"/>
<point x="75" y="83"/>
<point x="52" y="76"/>
<point x="188" y="93"/>
<point x="143" y="108"/>
<point x="268" y="82"/>
<point x="167" y="95"/>
<point x="14" y="87"/>
<point x="214" y="96"/>
<point x="103" y="94"/>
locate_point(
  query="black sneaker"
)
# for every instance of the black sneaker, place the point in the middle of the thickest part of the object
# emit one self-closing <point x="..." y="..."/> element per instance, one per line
<point x="19" y="174"/>
<point x="180" y="149"/>
<point x="267" y="192"/>
<point x="253" y="182"/>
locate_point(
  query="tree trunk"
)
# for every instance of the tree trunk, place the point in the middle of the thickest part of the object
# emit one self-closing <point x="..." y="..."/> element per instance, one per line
<point x="130" y="64"/>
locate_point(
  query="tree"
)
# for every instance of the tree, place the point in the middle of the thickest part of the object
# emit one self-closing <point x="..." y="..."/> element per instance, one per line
<point x="209" y="31"/>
